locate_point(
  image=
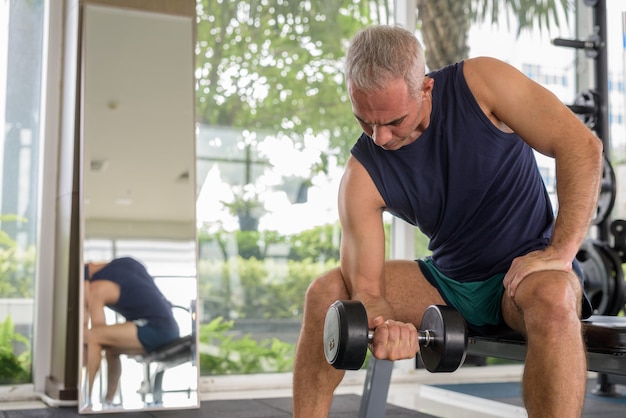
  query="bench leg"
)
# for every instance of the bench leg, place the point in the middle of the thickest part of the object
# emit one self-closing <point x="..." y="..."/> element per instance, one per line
<point x="375" y="389"/>
<point x="157" y="394"/>
<point x="604" y="386"/>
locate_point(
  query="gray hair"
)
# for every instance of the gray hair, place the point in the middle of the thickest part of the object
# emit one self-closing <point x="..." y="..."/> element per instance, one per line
<point x="380" y="54"/>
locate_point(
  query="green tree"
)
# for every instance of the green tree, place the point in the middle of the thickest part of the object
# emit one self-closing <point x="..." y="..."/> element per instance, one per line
<point x="276" y="65"/>
<point x="445" y="24"/>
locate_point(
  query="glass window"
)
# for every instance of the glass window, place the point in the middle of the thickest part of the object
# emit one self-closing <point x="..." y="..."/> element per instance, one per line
<point x="21" y="38"/>
<point x="274" y="130"/>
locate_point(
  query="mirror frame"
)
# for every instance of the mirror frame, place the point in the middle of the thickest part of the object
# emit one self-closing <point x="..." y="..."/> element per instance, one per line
<point x="122" y="228"/>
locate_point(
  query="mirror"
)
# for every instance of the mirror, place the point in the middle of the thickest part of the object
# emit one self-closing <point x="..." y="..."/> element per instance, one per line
<point x="138" y="214"/>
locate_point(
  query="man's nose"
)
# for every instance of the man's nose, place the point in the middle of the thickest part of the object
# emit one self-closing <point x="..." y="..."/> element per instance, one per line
<point x="381" y="135"/>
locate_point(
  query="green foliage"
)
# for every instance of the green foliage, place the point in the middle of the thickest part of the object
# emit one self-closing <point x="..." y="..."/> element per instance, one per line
<point x="247" y="207"/>
<point x="17" y="269"/>
<point x="17" y="265"/>
<point x="528" y="14"/>
<point x="276" y="65"/>
<point x="222" y="353"/>
<point x="257" y="289"/>
<point x="5" y="239"/>
<point x="248" y="284"/>
<point x="248" y="244"/>
<point x="251" y="285"/>
<point x="13" y="368"/>
<point x="320" y="243"/>
<point x="256" y="293"/>
<point x="494" y="361"/>
<point x="421" y="245"/>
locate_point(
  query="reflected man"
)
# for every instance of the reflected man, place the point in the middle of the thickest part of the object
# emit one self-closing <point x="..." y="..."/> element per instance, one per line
<point x="125" y="286"/>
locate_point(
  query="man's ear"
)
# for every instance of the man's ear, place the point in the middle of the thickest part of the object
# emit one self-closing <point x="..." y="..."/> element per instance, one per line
<point x="427" y="85"/>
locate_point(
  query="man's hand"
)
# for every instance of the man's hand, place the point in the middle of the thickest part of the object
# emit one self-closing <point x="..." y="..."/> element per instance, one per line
<point x="394" y="340"/>
<point x="522" y="267"/>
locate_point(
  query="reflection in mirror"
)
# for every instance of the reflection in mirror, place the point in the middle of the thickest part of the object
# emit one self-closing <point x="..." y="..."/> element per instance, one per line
<point x="139" y="340"/>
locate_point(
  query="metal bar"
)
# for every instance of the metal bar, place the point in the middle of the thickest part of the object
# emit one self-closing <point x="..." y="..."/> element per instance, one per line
<point x="602" y="88"/>
<point x="574" y="43"/>
<point x="376" y="388"/>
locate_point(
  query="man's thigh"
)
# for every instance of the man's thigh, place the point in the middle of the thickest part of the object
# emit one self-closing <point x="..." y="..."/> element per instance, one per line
<point x="408" y="291"/>
<point x="118" y="335"/>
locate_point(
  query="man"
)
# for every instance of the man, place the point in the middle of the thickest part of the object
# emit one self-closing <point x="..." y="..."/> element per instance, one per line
<point x="452" y="152"/>
<point x="125" y="286"/>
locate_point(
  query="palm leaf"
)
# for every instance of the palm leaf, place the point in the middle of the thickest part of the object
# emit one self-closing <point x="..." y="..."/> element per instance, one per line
<point x="530" y="14"/>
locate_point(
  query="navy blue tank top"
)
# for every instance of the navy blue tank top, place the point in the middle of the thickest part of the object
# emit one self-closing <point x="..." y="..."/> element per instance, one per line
<point x="476" y="192"/>
<point x="140" y="298"/>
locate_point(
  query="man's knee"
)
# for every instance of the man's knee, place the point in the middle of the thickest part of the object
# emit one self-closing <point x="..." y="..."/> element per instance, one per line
<point x="329" y="285"/>
<point x="549" y="300"/>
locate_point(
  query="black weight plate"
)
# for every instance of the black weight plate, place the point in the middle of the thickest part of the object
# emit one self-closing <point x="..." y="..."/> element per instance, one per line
<point x="588" y="99"/>
<point x="597" y="283"/>
<point x="345" y="335"/>
<point x="332" y="330"/>
<point x="618" y="229"/>
<point x="604" y="280"/>
<point x="615" y="277"/>
<point x="447" y="351"/>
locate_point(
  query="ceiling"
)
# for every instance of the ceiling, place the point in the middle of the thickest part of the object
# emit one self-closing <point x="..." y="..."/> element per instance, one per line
<point x="138" y="124"/>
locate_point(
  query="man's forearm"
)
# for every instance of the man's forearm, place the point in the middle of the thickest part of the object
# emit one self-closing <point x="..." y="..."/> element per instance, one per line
<point x="578" y="185"/>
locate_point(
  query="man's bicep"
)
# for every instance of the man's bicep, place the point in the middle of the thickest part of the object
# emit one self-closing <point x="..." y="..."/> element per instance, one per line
<point x="362" y="239"/>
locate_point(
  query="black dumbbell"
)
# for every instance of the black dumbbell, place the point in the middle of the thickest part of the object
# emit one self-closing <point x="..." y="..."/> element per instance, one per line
<point x="442" y="337"/>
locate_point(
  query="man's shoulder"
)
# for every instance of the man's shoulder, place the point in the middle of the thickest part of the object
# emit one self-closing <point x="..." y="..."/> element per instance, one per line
<point x="450" y="68"/>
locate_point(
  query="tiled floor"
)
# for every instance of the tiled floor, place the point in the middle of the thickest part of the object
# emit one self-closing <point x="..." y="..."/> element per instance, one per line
<point x="470" y="392"/>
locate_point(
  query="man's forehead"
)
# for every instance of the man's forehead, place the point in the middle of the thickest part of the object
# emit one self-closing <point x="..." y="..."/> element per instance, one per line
<point x="379" y="108"/>
<point x="381" y="120"/>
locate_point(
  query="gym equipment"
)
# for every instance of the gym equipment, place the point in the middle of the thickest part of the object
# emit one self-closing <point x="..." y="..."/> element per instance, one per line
<point x="618" y="229"/>
<point x="604" y="279"/>
<point x="587" y="108"/>
<point x="156" y="363"/>
<point x="442" y="337"/>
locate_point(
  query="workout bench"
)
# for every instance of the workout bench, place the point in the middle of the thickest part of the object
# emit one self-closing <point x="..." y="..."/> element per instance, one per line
<point x="179" y="351"/>
<point x="605" y="337"/>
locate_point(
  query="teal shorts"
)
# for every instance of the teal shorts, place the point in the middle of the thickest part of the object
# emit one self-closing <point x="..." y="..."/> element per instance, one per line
<point x="479" y="302"/>
<point x="152" y="338"/>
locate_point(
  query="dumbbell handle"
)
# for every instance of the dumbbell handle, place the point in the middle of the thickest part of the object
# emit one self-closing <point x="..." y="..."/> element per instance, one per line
<point x="424" y="337"/>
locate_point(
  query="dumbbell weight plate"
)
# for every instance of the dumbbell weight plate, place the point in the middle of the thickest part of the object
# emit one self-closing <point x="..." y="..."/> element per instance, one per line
<point x="345" y="335"/>
<point x="447" y="352"/>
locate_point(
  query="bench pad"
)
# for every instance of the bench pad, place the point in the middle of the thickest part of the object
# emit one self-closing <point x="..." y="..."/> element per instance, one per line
<point x="603" y="334"/>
